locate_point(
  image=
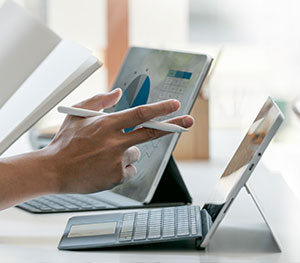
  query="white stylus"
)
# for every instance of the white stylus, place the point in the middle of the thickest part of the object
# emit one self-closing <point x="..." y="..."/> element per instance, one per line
<point x="169" y="127"/>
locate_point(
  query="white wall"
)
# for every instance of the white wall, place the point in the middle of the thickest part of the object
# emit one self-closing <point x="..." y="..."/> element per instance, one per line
<point x="37" y="8"/>
<point x="20" y="2"/>
<point x="81" y="21"/>
<point x="158" y="23"/>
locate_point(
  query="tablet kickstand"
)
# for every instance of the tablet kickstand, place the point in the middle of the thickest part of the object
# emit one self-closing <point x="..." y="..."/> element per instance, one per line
<point x="171" y="189"/>
<point x="248" y="189"/>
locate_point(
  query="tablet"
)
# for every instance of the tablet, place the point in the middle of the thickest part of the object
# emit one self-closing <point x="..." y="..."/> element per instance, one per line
<point x="242" y="165"/>
<point x="147" y="76"/>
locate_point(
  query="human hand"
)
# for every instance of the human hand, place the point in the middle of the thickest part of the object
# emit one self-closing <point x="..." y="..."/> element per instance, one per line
<point x="94" y="154"/>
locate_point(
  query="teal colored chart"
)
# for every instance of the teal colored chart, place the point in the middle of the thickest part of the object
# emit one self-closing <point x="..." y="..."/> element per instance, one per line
<point x="137" y="93"/>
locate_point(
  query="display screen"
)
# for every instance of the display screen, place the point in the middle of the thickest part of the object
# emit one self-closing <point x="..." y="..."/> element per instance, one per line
<point x="149" y="76"/>
<point x="179" y="74"/>
<point x="250" y="146"/>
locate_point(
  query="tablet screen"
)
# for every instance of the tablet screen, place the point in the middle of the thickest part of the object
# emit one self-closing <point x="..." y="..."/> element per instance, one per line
<point x="149" y="76"/>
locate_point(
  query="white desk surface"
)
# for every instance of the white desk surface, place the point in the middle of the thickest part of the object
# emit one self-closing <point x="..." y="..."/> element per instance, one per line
<point x="241" y="237"/>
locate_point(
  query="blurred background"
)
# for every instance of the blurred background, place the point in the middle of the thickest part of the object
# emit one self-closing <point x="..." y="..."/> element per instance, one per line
<point x="256" y="45"/>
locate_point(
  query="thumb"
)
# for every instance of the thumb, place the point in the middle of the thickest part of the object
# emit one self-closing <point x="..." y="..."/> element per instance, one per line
<point x="101" y="101"/>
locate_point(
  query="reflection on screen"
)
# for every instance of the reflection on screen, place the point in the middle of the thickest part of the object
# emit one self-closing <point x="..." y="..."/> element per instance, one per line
<point x="242" y="157"/>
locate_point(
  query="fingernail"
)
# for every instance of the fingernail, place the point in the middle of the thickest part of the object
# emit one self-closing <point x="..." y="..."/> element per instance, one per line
<point x="114" y="90"/>
<point x="188" y="121"/>
<point x="175" y="105"/>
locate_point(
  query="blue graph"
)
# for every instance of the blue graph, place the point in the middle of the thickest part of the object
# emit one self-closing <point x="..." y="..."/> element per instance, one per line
<point x="137" y="93"/>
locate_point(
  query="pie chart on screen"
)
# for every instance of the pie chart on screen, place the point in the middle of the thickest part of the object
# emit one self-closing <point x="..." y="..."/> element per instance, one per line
<point x="135" y="94"/>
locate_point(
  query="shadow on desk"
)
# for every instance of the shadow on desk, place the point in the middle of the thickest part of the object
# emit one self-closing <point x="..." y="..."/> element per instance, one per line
<point x="243" y="240"/>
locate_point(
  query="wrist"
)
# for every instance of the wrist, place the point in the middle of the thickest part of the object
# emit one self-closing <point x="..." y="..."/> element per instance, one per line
<point x="25" y="177"/>
<point x="48" y="171"/>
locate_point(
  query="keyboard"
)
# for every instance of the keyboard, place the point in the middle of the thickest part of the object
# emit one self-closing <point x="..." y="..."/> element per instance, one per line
<point x="160" y="223"/>
<point x="155" y="225"/>
<point x="65" y="203"/>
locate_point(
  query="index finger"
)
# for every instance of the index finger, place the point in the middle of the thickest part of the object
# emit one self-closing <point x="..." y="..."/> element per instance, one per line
<point x="145" y="134"/>
<point x="135" y="116"/>
<point x="101" y="101"/>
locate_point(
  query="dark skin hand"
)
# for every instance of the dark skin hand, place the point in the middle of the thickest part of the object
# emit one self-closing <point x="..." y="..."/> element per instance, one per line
<point x="87" y="154"/>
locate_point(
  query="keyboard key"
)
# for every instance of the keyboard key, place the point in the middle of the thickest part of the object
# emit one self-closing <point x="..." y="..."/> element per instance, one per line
<point x="71" y="206"/>
<point x="127" y="226"/>
<point x="154" y="234"/>
<point x="29" y="207"/>
<point x="168" y="234"/>
<point x="140" y="235"/>
<point x="182" y="221"/>
<point x="168" y="223"/>
<point x="155" y="223"/>
<point x="183" y="232"/>
<point x="141" y="225"/>
<point x="193" y="221"/>
<point x="56" y="206"/>
<point x="129" y="216"/>
<point x="125" y="237"/>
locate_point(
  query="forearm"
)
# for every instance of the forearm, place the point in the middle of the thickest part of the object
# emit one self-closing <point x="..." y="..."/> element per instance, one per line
<point x="24" y="177"/>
